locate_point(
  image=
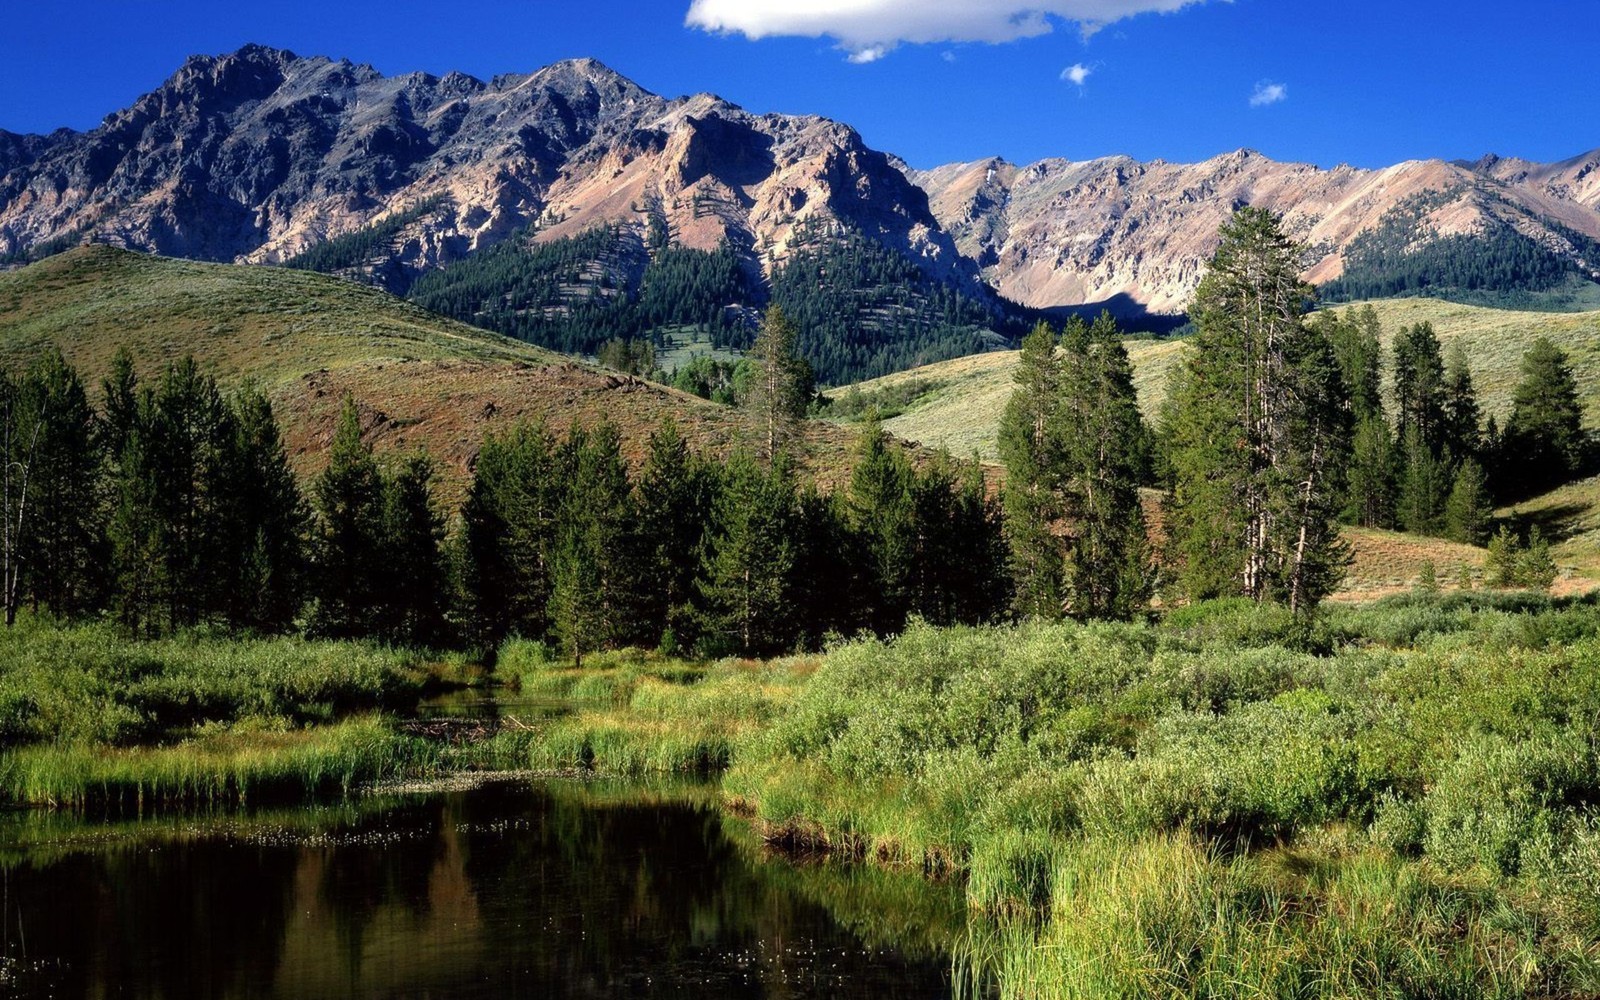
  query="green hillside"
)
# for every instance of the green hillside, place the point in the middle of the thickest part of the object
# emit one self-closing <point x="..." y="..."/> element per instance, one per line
<point x="959" y="402"/>
<point x="308" y="339"/>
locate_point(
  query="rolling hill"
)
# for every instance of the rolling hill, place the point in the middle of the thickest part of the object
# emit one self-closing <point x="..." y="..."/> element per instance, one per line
<point x="957" y="404"/>
<point x="308" y="339"/>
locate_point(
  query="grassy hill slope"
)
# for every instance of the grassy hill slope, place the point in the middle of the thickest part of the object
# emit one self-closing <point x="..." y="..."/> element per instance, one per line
<point x="957" y="405"/>
<point x="960" y="401"/>
<point x="308" y="339"/>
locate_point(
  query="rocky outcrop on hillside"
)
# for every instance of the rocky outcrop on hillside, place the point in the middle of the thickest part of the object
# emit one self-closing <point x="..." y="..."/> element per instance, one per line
<point x="258" y="155"/>
<point x="1059" y="232"/>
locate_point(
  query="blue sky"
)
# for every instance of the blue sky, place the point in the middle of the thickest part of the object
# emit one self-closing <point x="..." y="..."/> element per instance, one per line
<point x="1367" y="82"/>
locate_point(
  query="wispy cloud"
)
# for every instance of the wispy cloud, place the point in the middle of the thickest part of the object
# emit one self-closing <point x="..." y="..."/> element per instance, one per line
<point x="1076" y="74"/>
<point x="868" y="29"/>
<point x="1267" y="92"/>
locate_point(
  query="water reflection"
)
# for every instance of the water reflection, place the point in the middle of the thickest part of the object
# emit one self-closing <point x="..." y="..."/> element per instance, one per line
<point x="559" y="890"/>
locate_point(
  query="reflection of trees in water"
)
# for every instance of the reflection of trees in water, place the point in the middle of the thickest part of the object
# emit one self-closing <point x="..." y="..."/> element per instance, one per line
<point x="559" y="892"/>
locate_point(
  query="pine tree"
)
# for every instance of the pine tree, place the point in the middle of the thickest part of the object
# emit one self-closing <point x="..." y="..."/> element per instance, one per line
<point x="1371" y="495"/>
<point x="1462" y="437"/>
<point x="350" y="502"/>
<point x="1099" y="435"/>
<point x="591" y="584"/>
<point x="411" y="605"/>
<point x="509" y="532"/>
<point x="1543" y="443"/>
<point x="1259" y="430"/>
<point x="62" y="530"/>
<point x="1354" y="339"/>
<point x="267" y="589"/>
<point x="1535" y="568"/>
<point x="189" y="435"/>
<point x="1424" y="487"/>
<point x="1468" y="511"/>
<point x="1028" y="447"/>
<point x="882" y="515"/>
<point x="1419" y="387"/>
<point x="779" y="388"/>
<point x="673" y="499"/>
<point x="746" y="582"/>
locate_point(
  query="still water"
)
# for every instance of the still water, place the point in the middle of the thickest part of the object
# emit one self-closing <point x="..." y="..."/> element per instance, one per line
<point x="514" y="889"/>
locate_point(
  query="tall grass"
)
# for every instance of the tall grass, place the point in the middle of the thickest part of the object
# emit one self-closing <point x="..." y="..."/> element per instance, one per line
<point x="224" y="767"/>
<point x="89" y="684"/>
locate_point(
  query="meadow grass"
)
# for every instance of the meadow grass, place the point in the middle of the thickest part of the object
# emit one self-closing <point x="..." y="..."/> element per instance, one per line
<point x="1396" y="800"/>
<point x="231" y="766"/>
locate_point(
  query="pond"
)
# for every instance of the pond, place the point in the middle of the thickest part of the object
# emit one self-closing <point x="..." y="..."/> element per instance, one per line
<point x="516" y="888"/>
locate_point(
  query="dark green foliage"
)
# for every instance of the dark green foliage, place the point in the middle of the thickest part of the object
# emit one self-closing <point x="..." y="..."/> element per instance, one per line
<point x="779" y="389"/>
<point x="1029" y="448"/>
<point x="746" y="574"/>
<point x="1258" y="431"/>
<point x="509" y="520"/>
<point x="574" y="294"/>
<point x="631" y="357"/>
<point x="351" y="514"/>
<point x="1469" y="510"/>
<point x="1462" y="433"/>
<point x="206" y="523"/>
<point x="1374" y="473"/>
<point x="710" y="378"/>
<point x="864" y="310"/>
<point x="1354" y="339"/>
<point x="883" y="509"/>
<point x="1499" y="266"/>
<point x="354" y="249"/>
<point x="416" y="592"/>
<point x="674" y="496"/>
<point x="959" y="573"/>
<point x="268" y="587"/>
<point x="1419" y="387"/>
<point x="1424" y="487"/>
<point x="887" y="402"/>
<point x="1543" y="443"/>
<point x="1101" y="448"/>
<point x="1511" y="563"/>
<point x="592" y="564"/>
<point x="53" y="507"/>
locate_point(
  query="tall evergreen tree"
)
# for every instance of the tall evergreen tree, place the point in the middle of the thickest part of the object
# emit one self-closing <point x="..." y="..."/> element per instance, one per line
<point x="1259" y="430"/>
<point x="1424" y="487"/>
<point x="1543" y="443"/>
<point x="1100" y="435"/>
<point x="591" y="586"/>
<point x="412" y="604"/>
<point x="267" y="587"/>
<point x="673" y="499"/>
<point x="1468" y="511"/>
<point x="1354" y="339"/>
<point x="350" y="502"/>
<point x="746" y="578"/>
<point x="62" y="530"/>
<point x="1462" y="436"/>
<point x="1028" y="446"/>
<point x="779" y="388"/>
<point x="1373" y="474"/>
<point x="1419" y="387"/>
<point x="509" y="525"/>
<point x="882" y="514"/>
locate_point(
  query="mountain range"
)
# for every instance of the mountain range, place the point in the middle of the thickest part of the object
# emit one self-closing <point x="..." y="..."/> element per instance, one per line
<point x="264" y="157"/>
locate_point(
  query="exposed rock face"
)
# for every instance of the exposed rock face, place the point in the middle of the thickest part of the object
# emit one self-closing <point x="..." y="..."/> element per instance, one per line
<point x="1064" y="233"/>
<point x="257" y="155"/>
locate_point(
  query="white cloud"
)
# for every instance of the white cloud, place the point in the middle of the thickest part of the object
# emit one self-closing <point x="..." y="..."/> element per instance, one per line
<point x="868" y="29"/>
<point x="1076" y="74"/>
<point x="947" y="56"/>
<point x="1267" y="92"/>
